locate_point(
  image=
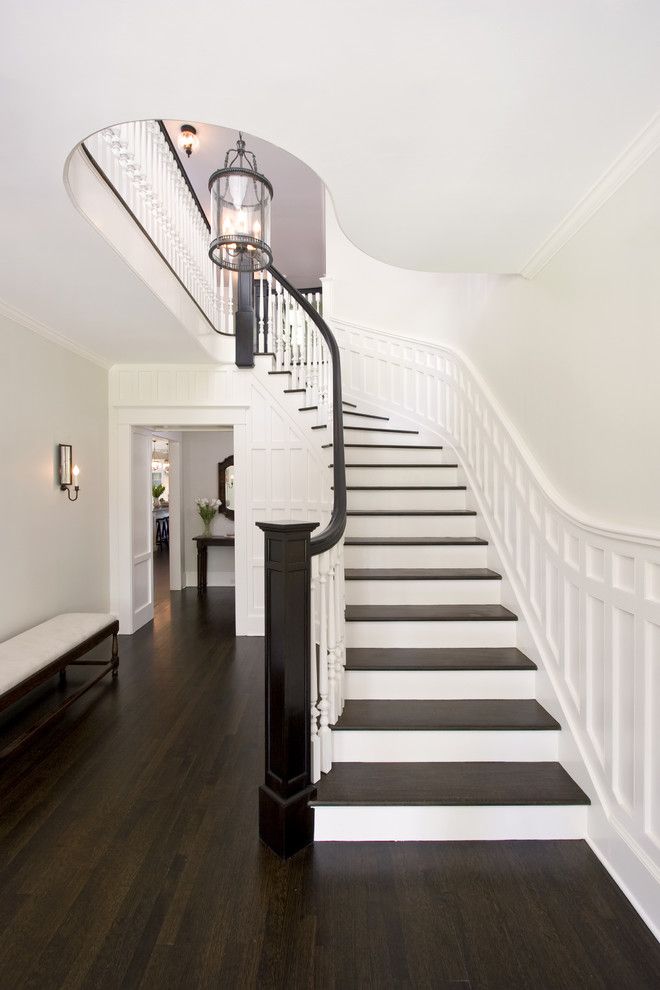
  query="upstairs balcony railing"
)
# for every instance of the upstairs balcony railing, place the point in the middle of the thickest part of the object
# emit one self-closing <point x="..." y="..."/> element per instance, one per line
<point x="141" y="166"/>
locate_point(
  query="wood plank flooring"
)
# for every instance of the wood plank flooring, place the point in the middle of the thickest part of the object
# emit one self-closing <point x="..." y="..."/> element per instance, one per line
<point x="129" y="858"/>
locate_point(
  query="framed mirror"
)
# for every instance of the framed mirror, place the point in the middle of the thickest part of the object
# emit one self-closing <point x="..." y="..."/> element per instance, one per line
<point x="226" y="486"/>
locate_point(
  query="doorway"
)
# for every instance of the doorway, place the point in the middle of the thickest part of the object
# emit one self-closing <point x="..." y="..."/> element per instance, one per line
<point x="173" y="468"/>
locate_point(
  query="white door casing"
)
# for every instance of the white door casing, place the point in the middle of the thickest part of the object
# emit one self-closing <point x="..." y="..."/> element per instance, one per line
<point x="142" y="563"/>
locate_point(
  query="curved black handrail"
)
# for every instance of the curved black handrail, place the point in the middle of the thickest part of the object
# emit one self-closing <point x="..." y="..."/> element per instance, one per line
<point x="334" y="531"/>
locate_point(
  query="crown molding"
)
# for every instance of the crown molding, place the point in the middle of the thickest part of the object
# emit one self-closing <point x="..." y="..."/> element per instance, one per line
<point x="42" y="330"/>
<point x="621" y="169"/>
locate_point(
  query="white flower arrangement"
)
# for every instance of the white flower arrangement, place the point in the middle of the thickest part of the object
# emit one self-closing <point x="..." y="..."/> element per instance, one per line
<point x="207" y="508"/>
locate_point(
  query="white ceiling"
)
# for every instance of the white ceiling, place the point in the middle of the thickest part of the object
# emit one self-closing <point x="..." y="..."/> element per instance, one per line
<point x="452" y="135"/>
<point x="297" y="211"/>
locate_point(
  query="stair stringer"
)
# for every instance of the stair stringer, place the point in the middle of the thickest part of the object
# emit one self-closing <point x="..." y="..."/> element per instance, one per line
<point x="435" y="389"/>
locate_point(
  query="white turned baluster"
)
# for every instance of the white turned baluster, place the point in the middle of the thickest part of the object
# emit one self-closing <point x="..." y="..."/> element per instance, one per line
<point x="340" y="652"/>
<point x="315" y="743"/>
<point x="279" y="324"/>
<point x="324" y="729"/>
<point x="230" y="302"/>
<point x="332" y="641"/>
<point x="261" y="338"/>
<point x="270" y="339"/>
<point x="286" y="340"/>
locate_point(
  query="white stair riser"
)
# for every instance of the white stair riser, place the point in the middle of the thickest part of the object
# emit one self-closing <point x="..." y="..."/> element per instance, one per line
<point x="378" y="433"/>
<point x="454" y="824"/>
<point x="352" y="417"/>
<point x="423" y="592"/>
<point x="411" y="526"/>
<point x="392" y="499"/>
<point x="413" y="685"/>
<point x="410" y="555"/>
<point x="371" y="454"/>
<point x="427" y="746"/>
<point x="430" y="634"/>
<point x="398" y="475"/>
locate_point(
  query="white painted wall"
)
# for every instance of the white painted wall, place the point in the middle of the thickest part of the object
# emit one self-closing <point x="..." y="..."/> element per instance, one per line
<point x="201" y="453"/>
<point x="572" y="355"/>
<point x="53" y="553"/>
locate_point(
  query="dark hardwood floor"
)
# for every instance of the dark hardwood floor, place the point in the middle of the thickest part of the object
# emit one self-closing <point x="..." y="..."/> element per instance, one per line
<point x="129" y="857"/>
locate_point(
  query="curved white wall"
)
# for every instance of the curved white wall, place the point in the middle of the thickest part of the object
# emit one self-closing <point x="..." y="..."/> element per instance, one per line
<point x="572" y="355"/>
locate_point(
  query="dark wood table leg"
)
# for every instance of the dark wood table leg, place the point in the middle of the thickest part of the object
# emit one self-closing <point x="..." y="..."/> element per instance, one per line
<point x="202" y="563"/>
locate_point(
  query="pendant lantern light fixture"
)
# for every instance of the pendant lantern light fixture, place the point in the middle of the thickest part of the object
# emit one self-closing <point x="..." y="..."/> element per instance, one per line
<point x="240" y="213"/>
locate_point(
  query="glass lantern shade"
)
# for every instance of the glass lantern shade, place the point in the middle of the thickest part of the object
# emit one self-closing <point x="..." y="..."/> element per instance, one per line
<point x="240" y="219"/>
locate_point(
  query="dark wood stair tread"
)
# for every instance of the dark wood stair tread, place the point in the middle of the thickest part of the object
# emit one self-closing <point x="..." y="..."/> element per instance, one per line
<point x="292" y="391"/>
<point x="415" y="541"/>
<point x="406" y="488"/>
<point x="459" y="715"/>
<point x="345" y="402"/>
<point x="421" y="574"/>
<point x="396" y="446"/>
<point x="411" y="512"/>
<point x="279" y="372"/>
<point x="407" y="466"/>
<point x="429" y="613"/>
<point x="438" y="658"/>
<point x="448" y="784"/>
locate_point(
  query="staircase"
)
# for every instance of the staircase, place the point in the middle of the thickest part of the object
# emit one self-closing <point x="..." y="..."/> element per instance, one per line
<point x="440" y="735"/>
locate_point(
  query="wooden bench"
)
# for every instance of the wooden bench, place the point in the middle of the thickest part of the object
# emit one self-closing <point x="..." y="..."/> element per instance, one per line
<point x="32" y="657"/>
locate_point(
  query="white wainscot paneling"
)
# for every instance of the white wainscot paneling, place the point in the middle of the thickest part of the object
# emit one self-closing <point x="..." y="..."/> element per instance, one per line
<point x="588" y="592"/>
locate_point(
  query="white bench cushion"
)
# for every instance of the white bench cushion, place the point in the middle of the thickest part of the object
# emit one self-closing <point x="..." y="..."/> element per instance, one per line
<point x="25" y="654"/>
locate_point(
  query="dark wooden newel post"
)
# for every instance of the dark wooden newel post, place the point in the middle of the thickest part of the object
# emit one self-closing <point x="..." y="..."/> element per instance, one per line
<point x="286" y="822"/>
<point x="245" y="320"/>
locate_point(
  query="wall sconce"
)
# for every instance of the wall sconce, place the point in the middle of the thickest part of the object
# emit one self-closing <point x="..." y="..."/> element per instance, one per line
<point x="188" y="140"/>
<point x="69" y="472"/>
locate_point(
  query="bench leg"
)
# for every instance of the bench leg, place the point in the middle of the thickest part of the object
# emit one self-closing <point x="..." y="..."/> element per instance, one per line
<point x="115" y="656"/>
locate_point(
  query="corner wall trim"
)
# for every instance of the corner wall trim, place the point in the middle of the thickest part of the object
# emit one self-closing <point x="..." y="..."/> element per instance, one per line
<point x="621" y="169"/>
<point x="42" y="330"/>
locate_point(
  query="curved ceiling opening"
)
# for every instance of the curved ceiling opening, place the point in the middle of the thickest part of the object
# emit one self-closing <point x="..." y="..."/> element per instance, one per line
<point x="297" y="213"/>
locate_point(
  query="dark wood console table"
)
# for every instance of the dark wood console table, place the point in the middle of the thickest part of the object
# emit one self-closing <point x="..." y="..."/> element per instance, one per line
<point x="203" y="544"/>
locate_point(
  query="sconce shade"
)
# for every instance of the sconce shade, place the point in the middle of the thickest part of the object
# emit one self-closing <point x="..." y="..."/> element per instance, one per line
<point x="240" y="213"/>
<point x="66" y="464"/>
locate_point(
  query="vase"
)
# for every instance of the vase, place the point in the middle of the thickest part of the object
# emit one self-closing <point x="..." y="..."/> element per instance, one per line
<point x="207" y="527"/>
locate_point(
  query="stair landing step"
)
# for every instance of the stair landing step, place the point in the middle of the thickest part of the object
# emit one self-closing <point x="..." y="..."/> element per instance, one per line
<point x="442" y="715"/>
<point x="429" y="613"/>
<point x="437" y="658"/>
<point x="421" y="574"/>
<point x="462" y="784"/>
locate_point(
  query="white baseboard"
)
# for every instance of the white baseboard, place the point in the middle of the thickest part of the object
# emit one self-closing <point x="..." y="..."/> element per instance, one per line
<point x="632" y="870"/>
